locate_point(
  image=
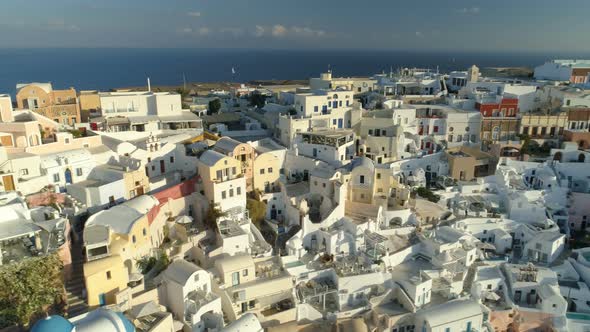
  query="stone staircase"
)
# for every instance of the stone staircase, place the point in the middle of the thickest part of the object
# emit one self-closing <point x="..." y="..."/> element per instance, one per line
<point x="75" y="288"/>
<point x="471" y="276"/>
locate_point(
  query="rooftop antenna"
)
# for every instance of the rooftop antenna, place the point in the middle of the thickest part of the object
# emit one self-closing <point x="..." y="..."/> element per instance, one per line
<point x="329" y="68"/>
<point x="149" y="85"/>
<point x="184" y="81"/>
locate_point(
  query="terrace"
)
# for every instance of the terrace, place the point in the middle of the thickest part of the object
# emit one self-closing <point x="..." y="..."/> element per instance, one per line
<point x="320" y="293"/>
<point x="22" y="238"/>
<point x="196" y="300"/>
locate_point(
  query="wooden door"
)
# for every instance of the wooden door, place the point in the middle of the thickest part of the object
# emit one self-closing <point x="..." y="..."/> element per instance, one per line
<point x="8" y="183"/>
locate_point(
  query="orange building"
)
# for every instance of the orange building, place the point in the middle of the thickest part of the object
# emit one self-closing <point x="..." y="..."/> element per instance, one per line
<point x="58" y="105"/>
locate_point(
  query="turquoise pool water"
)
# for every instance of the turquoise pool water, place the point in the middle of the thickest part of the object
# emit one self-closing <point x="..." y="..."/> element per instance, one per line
<point x="293" y="264"/>
<point x="578" y="316"/>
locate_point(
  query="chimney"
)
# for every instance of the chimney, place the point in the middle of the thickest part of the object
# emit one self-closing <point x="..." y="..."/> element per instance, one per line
<point x="149" y="85"/>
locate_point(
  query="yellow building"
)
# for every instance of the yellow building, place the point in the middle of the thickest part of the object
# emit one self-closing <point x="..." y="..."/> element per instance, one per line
<point x="543" y="126"/>
<point x="222" y="180"/>
<point x="59" y="105"/>
<point x="114" y="239"/>
<point x="104" y="278"/>
<point x="267" y="170"/>
<point x="242" y="152"/>
<point x="89" y="104"/>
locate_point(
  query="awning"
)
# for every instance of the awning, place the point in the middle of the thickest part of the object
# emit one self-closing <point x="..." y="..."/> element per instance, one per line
<point x="13" y="229"/>
<point x="144" y="309"/>
<point x="184" y="220"/>
<point x="143" y="119"/>
<point x="117" y="121"/>
<point x="182" y="117"/>
<point x="492" y="296"/>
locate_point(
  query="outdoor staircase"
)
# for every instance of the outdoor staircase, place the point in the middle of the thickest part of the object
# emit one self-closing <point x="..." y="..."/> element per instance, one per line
<point x="75" y="287"/>
<point x="470" y="276"/>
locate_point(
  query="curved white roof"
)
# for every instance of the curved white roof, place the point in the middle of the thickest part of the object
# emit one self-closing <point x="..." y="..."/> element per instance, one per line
<point x="364" y="162"/>
<point x="227" y="144"/>
<point x="45" y="86"/>
<point x="122" y="217"/>
<point x="210" y="157"/>
<point x="247" y="322"/>
<point x="449" y="311"/>
<point x="180" y="271"/>
<point x="233" y="263"/>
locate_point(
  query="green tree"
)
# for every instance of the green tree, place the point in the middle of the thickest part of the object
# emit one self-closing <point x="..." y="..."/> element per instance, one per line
<point x="30" y="289"/>
<point x="158" y="263"/>
<point x="214" y="106"/>
<point x="427" y="194"/>
<point x="213" y="214"/>
<point x="257" y="99"/>
<point x="182" y="92"/>
<point x="76" y="133"/>
<point x="257" y="210"/>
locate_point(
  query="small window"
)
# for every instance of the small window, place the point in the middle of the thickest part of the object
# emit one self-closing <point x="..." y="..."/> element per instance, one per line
<point x="134" y="239"/>
<point x="79" y="171"/>
<point x="56" y="177"/>
<point x="362" y="179"/>
<point x="172" y="159"/>
<point x="144" y="232"/>
<point x="270" y="170"/>
<point x="262" y="171"/>
<point x="223" y="195"/>
<point x="149" y="160"/>
<point x="378" y="176"/>
<point x="245" y="273"/>
<point x="108" y="275"/>
<point x="24" y="171"/>
<point x="238" y="191"/>
<point x="231" y="192"/>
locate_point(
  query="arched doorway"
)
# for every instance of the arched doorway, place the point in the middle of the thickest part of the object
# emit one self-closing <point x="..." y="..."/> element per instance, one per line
<point x="129" y="265"/>
<point x="68" y="176"/>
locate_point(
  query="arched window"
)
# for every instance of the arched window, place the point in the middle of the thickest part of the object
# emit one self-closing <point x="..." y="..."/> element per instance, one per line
<point x="496" y="133"/>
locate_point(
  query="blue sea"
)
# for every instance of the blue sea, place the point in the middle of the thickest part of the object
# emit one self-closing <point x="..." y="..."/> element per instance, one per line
<point x="103" y="69"/>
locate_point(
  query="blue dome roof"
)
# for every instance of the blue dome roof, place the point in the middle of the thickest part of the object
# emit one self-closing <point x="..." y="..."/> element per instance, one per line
<point x="129" y="327"/>
<point x="53" y="324"/>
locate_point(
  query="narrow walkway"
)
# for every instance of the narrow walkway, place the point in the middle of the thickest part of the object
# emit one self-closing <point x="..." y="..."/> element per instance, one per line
<point x="75" y="288"/>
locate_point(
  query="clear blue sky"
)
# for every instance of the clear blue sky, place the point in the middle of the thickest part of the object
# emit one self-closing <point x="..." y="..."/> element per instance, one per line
<point x="502" y="25"/>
